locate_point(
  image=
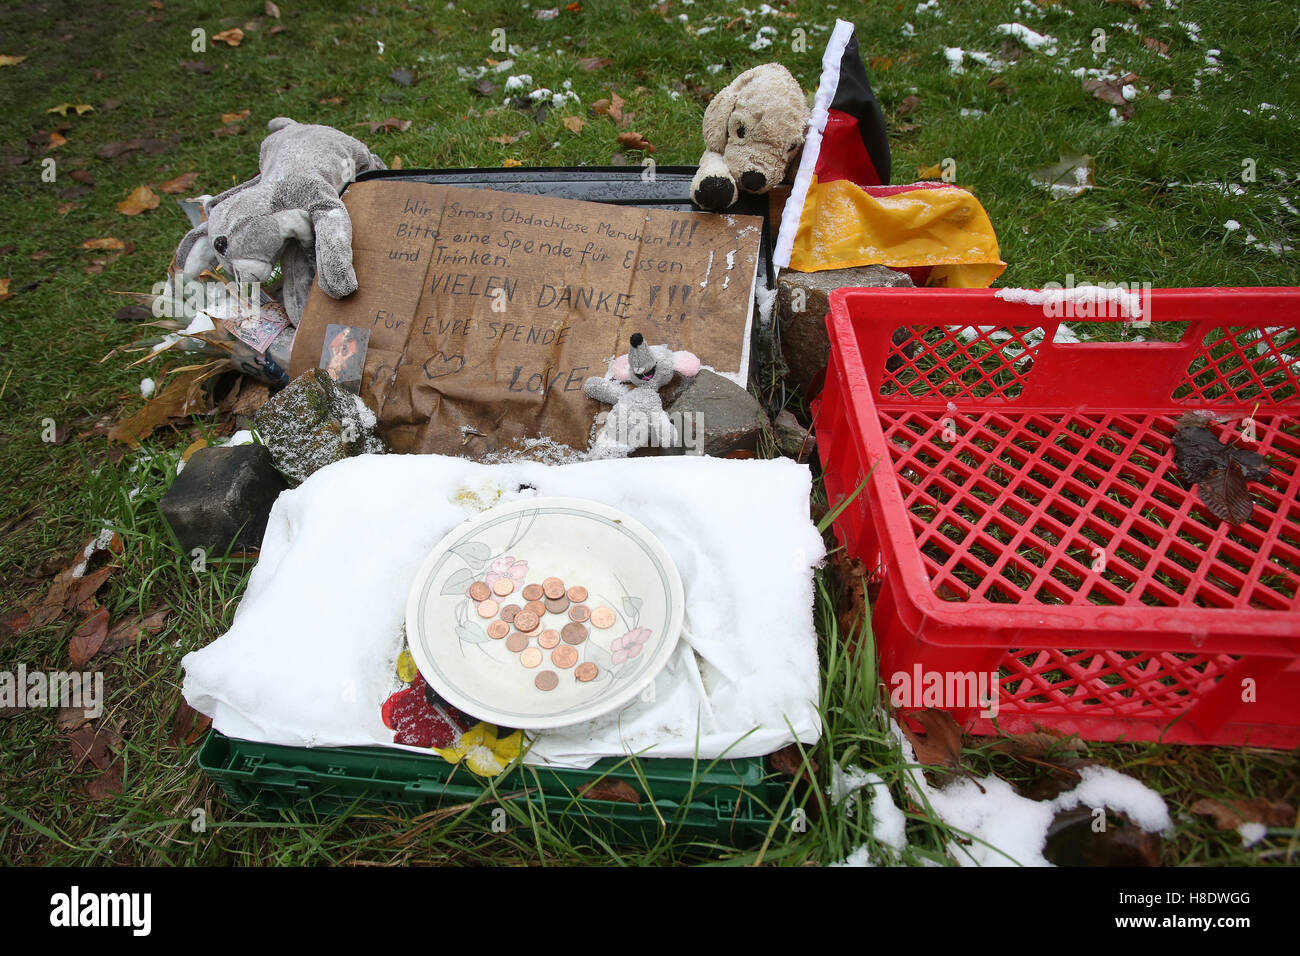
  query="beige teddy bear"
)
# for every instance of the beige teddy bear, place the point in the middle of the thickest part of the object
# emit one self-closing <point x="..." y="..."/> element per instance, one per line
<point x="753" y="130"/>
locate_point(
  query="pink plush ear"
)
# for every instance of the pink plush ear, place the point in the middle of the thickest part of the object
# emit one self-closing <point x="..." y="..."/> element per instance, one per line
<point x="686" y="363"/>
<point x="621" y="369"/>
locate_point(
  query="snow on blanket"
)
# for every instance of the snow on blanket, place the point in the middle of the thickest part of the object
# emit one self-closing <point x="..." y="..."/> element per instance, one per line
<point x="310" y="656"/>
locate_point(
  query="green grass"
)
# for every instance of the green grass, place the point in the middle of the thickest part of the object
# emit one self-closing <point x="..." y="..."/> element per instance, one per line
<point x="58" y="324"/>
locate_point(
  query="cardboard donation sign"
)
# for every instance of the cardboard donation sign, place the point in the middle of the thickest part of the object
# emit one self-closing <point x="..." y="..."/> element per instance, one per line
<point x="481" y="313"/>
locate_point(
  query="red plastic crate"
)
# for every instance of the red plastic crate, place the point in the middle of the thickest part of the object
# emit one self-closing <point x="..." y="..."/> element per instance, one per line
<point x="984" y="545"/>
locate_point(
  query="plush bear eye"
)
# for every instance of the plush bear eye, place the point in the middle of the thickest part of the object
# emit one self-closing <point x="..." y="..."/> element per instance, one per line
<point x="740" y="131"/>
<point x="793" y="147"/>
<point x="219" y="244"/>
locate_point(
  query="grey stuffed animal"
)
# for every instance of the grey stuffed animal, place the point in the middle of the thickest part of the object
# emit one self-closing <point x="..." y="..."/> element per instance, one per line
<point x="638" y="418"/>
<point x="753" y="130"/>
<point x="289" y="210"/>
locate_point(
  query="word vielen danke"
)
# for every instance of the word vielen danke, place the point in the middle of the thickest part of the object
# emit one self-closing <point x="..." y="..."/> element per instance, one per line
<point x="484" y="241"/>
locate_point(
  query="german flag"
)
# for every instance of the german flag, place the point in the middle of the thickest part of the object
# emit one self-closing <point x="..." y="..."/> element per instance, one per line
<point x="842" y="212"/>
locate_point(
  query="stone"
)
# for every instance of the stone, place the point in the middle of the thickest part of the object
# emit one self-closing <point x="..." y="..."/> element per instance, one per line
<point x="221" y="500"/>
<point x="804" y="342"/>
<point x="793" y="440"/>
<point x="731" y="419"/>
<point x="314" y="422"/>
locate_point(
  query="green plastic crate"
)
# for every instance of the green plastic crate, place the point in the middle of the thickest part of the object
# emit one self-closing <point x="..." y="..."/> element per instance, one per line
<point x="725" y="801"/>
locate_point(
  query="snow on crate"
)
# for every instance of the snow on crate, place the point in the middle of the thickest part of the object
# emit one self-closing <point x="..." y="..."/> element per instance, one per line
<point x="1083" y="300"/>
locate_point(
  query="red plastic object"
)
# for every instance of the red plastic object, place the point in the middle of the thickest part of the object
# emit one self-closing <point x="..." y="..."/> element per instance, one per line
<point x="1036" y="527"/>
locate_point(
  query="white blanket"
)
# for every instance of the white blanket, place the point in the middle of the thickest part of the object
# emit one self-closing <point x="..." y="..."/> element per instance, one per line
<point x="311" y="655"/>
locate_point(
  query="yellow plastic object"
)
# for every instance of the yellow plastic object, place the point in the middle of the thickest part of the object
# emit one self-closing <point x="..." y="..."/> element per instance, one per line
<point x="944" y="227"/>
<point x="482" y="752"/>
<point x="405" y="667"/>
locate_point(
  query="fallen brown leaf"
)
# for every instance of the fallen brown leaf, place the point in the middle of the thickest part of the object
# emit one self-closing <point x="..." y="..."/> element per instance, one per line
<point x="229" y="118"/>
<point x="188" y="725"/>
<point x="334" y="101"/>
<point x="252" y="396"/>
<point x="126" y="632"/>
<point x="142" y="198"/>
<point x="789" y="761"/>
<point x="232" y="37"/>
<point x="57" y="139"/>
<point x="180" y="184"/>
<point x="1230" y="814"/>
<point x="177" y="400"/>
<point x="503" y="139"/>
<point x="81" y="176"/>
<point x="108" y="784"/>
<point x="1157" y="46"/>
<point x="233" y="130"/>
<point x="272" y="10"/>
<point x="94" y="743"/>
<point x="511" y="162"/>
<point x="608" y="789"/>
<point x="70" y="718"/>
<point x="64" y="208"/>
<point x="881" y="63"/>
<point x="941" y="745"/>
<point x="611" y="107"/>
<point x="1072" y="841"/>
<point x="8" y="60"/>
<point x="574" y="124"/>
<point x="589" y="64"/>
<point x="108" y="242"/>
<point x="4" y="289"/>
<point x="908" y="105"/>
<point x="631" y="140"/>
<point x="87" y="587"/>
<point x="1039" y="743"/>
<point x="87" y="638"/>
<point x="387" y="124"/>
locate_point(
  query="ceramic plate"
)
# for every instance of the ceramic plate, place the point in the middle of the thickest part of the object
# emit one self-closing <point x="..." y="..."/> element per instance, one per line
<point x="625" y="570"/>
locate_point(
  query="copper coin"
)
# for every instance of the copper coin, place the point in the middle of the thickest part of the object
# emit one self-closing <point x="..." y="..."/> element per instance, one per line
<point x="502" y="586"/>
<point x="509" y="611"/>
<point x="530" y="657"/>
<point x="573" y="633"/>
<point x="479" y="591"/>
<point x="586" y="671"/>
<point x="602" y="617"/>
<point x="525" y="620"/>
<point x="564" y="656"/>
<point x="488" y="608"/>
<point x="553" y="588"/>
<point x="498" y="630"/>
<point x="548" y="638"/>
<point x="531" y="632"/>
<point x="579" y="613"/>
<point x="532" y="592"/>
<point x="577" y="594"/>
<point x="546" y="680"/>
<point x="557" y="605"/>
<point x="516" y="642"/>
<point x="537" y="607"/>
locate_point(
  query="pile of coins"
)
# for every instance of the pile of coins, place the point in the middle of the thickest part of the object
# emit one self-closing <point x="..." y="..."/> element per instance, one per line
<point x="528" y="622"/>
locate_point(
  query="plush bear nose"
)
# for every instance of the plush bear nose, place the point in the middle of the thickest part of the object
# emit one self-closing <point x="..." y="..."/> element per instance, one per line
<point x="753" y="181"/>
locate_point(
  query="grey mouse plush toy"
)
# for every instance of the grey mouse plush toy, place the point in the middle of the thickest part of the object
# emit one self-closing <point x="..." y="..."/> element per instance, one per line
<point x="290" y="212"/>
<point x="638" y="418"/>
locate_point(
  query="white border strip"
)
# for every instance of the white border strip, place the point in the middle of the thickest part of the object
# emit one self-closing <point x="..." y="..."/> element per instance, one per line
<point x="826" y="88"/>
